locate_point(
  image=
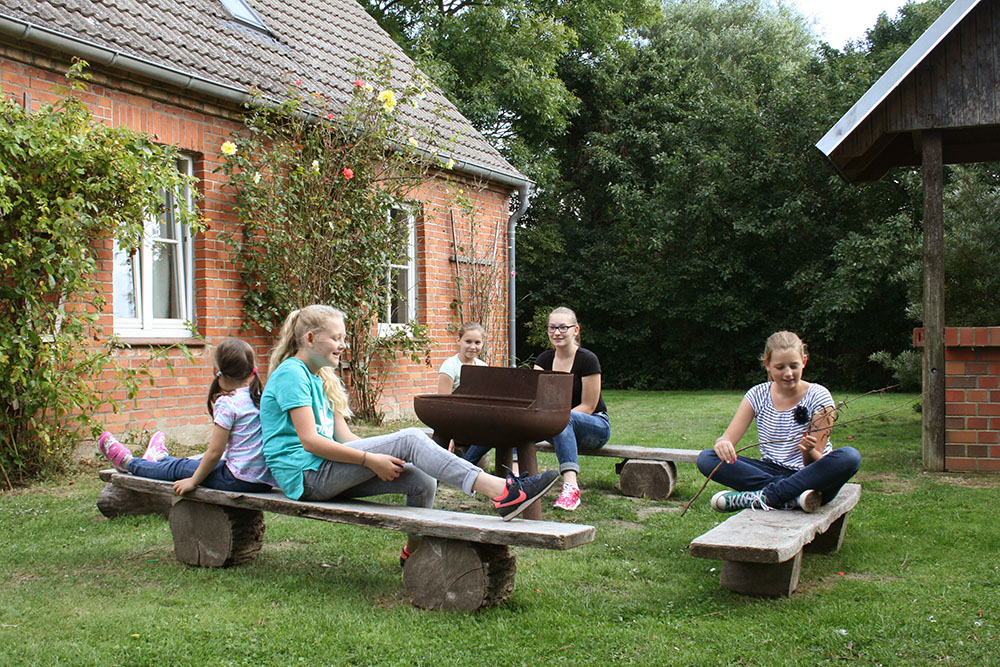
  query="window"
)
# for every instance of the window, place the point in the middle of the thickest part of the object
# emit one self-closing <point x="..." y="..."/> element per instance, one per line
<point x="153" y="293"/>
<point x="242" y="13"/>
<point x="400" y="280"/>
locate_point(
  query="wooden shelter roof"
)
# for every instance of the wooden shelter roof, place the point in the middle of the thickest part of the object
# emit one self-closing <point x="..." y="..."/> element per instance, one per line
<point x="948" y="80"/>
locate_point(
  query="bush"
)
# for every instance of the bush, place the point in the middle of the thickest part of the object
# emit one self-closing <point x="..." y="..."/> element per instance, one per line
<point x="66" y="179"/>
<point x="314" y="185"/>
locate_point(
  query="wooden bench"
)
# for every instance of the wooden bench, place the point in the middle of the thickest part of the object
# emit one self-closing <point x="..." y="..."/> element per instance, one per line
<point x="644" y="472"/>
<point x="761" y="551"/>
<point x="463" y="561"/>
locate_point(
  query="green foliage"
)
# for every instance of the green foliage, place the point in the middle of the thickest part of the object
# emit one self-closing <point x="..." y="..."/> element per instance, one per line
<point x="67" y="181"/>
<point x="971" y="249"/>
<point x="504" y="63"/>
<point x="905" y="367"/>
<point x="694" y="216"/>
<point x="314" y="188"/>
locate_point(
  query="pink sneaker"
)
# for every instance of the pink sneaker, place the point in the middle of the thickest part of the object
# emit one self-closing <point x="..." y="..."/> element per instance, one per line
<point x="116" y="452"/>
<point x="157" y="448"/>
<point x="569" y="497"/>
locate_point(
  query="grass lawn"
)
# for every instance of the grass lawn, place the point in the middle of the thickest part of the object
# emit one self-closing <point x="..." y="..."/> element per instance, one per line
<point x="916" y="583"/>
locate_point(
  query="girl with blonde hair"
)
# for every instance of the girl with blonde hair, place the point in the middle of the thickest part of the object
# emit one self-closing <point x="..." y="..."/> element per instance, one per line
<point x="798" y="467"/>
<point x="314" y="455"/>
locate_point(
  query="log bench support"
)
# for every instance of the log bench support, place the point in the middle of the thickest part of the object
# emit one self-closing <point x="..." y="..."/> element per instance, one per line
<point x="463" y="563"/>
<point x="643" y="472"/>
<point x="761" y="552"/>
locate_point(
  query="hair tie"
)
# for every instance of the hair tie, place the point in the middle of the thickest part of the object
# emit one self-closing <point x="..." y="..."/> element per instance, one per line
<point x="219" y="374"/>
<point x="254" y="371"/>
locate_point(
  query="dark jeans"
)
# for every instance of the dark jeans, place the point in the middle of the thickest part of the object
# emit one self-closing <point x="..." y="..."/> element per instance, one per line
<point x="781" y="484"/>
<point x="171" y="469"/>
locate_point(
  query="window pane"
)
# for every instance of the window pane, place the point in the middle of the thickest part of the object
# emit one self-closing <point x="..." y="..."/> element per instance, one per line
<point x="124" y="284"/>
<point x="399" y="311"/>
<point x="163" y="227"/>
<point x="166" y="288"/>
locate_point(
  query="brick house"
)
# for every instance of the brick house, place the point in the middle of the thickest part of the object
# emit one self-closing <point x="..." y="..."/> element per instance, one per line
<point x="181" y="71"/>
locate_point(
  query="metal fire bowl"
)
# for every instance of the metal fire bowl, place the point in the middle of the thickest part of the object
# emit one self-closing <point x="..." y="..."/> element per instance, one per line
<point x="490" y="421"/>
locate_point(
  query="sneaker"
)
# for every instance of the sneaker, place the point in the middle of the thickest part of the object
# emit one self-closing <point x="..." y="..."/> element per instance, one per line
<point x="569" y="497"/>
<point x="116" y="452"/>
<point x="809" y="500"/>
<point x="730" y="501"/>
<point x="157" y="448"/>
<point x="522" y="491"/>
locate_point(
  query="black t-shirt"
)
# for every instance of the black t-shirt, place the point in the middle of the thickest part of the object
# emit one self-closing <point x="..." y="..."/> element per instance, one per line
<point x="584" y="363"/>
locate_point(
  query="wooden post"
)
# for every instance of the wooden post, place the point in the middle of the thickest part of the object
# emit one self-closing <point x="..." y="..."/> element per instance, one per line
<point x="934" y="367"/>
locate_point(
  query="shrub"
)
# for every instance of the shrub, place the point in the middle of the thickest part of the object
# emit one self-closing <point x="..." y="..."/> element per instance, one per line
<point x="66" y="180"/>
<point x="314" y="185"/>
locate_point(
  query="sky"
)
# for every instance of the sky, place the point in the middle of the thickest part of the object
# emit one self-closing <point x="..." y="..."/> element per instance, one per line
<point x="841" y="20"/>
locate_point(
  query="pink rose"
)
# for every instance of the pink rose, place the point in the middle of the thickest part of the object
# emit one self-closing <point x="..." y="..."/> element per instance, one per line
<point x="358" y="83"/>
<point x="348" y="173"/>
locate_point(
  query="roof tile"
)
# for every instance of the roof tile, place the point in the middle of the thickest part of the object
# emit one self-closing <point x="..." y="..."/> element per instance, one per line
<point x="313" y="41"/>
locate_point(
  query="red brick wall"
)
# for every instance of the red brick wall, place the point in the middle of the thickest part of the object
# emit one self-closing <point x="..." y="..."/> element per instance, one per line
<point x="972" y="397"/>
<point x="198" y="126"/>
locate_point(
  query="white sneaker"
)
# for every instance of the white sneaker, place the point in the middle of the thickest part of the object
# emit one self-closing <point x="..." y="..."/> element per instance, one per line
<point x="809" y="500"/>
<point x="569" y="497"/>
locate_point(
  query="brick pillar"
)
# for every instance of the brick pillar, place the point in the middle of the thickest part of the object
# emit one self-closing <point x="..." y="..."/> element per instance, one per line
<point x="972" y="397"/>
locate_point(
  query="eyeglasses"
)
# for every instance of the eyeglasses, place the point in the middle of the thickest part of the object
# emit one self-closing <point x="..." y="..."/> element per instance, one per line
<point x="561" y="328"/>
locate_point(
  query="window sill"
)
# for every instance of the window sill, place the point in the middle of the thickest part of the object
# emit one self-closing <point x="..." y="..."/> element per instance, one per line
<point x="139" y="341"/>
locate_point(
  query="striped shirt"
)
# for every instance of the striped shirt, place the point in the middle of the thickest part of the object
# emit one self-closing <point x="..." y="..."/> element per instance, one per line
<point x="245" y="448"/>
<point x="779" y="428"/>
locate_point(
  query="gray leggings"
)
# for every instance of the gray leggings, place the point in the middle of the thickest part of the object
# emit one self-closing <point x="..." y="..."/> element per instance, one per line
<point x="426" y="462"/>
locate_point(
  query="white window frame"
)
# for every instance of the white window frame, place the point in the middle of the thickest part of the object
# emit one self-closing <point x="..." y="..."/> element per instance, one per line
<point x="243" y="13"/>
<point x="144" y="324"/>
<point x="386" y="324"/>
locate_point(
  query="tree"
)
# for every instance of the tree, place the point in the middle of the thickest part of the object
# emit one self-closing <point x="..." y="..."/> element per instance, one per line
<point x="504" y="62"/>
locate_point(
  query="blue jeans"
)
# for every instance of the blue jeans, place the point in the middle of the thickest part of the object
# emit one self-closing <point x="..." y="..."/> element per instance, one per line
<point x="475" y="452"/>
<point x="582" y="432"/>
<point x="171" y="469"/>
<point x="781" y="484"/>
<point x="427" y="462"/>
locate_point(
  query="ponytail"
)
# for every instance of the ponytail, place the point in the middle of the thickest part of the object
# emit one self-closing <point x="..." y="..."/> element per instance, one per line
<point x="287" y="344"/>
<point x="296" y="326"/>
<point x="234" y="359"/>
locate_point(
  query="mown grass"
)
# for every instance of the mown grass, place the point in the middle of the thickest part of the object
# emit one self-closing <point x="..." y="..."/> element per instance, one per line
<point x="917" y="581"/>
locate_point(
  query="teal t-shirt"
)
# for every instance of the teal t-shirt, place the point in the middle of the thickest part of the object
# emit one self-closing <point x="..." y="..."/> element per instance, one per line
<point x="291" y="385"/>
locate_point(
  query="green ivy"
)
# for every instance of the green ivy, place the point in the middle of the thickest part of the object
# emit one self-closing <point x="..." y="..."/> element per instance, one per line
<point x="66" y="182"/>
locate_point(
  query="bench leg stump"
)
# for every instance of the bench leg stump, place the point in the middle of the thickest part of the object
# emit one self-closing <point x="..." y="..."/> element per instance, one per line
<point x="647" y="479"/>
<point x="115" y="501"/>
<point x="831" y="540"/>
<point x="765" y="579"/>
<point x="215" y="536"/>
<point x="455" y="575"/>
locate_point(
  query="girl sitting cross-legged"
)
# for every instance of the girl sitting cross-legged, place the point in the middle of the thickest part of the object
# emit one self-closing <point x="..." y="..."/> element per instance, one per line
<point x="798" y="468"/>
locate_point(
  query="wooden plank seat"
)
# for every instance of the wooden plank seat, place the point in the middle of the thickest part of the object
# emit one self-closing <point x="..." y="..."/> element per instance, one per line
<point x="644" y="472"/>
<point x="463" y="561"/>
<point x="761" y="551"/>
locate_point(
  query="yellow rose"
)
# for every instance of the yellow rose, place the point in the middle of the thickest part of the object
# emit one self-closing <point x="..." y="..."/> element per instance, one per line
<point x="228" y="148"/>
<point x="388" y="100"/>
